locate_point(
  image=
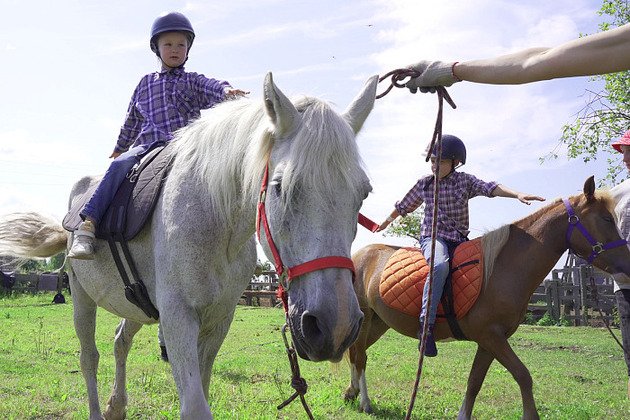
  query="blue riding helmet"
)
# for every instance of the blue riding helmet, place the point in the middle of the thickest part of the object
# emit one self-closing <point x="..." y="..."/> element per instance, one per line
<point x="452" y="148"/>
<point x="171" y="22"/>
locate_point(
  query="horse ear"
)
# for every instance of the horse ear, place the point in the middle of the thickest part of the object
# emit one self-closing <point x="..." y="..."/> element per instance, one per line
<point x="360" y="108"/>
<point x="589" y="188"/>
<point x="279" y="108"/>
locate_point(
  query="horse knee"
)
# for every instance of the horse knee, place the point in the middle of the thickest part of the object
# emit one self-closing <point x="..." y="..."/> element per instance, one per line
<point x="524" y="379"/>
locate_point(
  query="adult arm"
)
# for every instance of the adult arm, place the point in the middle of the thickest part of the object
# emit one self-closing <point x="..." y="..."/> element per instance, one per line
<point x="604" y="52"/>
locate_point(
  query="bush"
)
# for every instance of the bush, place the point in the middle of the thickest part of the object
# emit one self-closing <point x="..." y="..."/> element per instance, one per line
<point x="546" y="321"/>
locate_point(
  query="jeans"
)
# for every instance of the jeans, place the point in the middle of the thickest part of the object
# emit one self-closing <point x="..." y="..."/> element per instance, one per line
<point x="98" y="204"/>
<point x="441" y="268"/>
<point x="623" y="306"/>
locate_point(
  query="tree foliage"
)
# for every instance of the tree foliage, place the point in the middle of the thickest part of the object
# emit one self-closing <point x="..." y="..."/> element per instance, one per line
<point x="53" y="263"/>
<point x="408" y="226"/>
<point x="607" y="114"/>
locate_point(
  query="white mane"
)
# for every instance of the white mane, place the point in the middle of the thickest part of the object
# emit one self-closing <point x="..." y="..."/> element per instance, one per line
<point x="229" y="147"/>
<point x="324" y="156"/>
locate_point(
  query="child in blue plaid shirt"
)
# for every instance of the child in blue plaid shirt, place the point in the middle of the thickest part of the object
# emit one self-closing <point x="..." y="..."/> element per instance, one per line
<point x="161" y="103"/>
<point x="456" y="188"/>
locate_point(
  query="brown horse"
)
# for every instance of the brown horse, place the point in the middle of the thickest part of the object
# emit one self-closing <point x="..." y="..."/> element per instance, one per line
<point x="517" y="257"/>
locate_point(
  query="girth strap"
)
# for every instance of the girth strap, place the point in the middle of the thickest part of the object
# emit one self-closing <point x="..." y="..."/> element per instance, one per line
<point x="136" y="292"/>
<point x="448" y="303"/>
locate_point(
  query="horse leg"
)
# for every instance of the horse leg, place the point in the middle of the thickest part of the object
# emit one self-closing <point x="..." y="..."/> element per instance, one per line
<point x="208" y="347"/>
<point x="375" y="328"/>
<point x="84" y="316"/>
<point x="478" y="371"/>
<point x="181" y="332"/>
<point x="353" y="389"/>
<point x="117" y="403"/>
<point x="504" y="353"/>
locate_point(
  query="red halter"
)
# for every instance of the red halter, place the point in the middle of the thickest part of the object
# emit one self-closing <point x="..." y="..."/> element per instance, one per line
<point x="300" y="269"/>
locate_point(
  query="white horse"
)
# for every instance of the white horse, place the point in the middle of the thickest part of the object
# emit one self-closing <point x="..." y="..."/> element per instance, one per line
<point x="198" y="252"/>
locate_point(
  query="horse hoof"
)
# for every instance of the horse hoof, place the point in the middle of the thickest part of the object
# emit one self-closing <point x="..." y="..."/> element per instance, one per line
<point x="367" y="409"/>
<point x="116" y="408"/>
<point x="350" y="394"/>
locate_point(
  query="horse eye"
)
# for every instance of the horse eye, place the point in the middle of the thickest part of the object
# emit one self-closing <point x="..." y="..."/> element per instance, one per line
<point x="276" y="184"/>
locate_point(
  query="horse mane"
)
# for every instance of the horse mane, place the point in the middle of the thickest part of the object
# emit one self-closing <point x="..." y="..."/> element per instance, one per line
<point x="221" y="148"/>
<point x="493" y="241"/>
<point x="229" y="146"/>
<point x="324" y="157"/>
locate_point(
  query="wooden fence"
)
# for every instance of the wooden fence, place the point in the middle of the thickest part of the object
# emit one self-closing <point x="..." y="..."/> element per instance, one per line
<point x="33" y="282"/>
<point x="262" y="290"/>
<point x="577" y="293"/>
<point x="580" y="294"/>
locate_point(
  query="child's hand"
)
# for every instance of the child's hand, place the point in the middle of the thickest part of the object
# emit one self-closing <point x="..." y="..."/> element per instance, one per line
<point x="527" y="198"/>
<point x="235" y="93"/>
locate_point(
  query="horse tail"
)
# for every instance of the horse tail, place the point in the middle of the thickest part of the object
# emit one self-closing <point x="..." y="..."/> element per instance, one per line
<point x="31" y="235"/>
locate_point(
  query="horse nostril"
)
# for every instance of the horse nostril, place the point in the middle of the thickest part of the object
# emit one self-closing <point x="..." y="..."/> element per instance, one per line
<point x="311" y="330"/>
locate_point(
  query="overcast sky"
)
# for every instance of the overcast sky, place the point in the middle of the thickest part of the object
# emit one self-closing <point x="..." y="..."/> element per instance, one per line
<point x="69" y="69"/>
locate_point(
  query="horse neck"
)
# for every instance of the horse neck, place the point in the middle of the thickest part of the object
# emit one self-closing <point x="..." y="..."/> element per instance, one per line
<point x="540" y="241"/>
<point x="222" y="157"/>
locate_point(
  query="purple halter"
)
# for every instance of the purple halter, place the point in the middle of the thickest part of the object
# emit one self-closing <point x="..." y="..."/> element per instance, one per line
<point x="597" y="247"/>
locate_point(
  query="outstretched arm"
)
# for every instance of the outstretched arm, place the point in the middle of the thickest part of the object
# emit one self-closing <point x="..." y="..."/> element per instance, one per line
<point x="503" y="191"/>
<point x="604" y="52"/>
<point x="392" y="216"/>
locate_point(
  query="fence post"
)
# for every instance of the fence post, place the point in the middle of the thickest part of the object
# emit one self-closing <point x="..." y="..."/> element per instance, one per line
<point x="584" y="274"/>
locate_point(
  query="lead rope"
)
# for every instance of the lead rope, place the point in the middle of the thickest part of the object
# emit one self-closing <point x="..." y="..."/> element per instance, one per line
<point x="297" y="382"/>
<point x="397" y="78"/>
<point x="599" y="308"/>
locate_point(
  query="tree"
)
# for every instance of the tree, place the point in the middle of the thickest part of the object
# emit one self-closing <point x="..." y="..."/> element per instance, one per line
<point x="53" y="263"/>
<point x="408" y="226"/>
<point x="262" y="266"/>
<point x="607" y="114"/>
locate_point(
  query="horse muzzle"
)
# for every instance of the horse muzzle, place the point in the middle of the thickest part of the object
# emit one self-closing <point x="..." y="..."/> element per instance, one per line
<point x="318" y="339"/>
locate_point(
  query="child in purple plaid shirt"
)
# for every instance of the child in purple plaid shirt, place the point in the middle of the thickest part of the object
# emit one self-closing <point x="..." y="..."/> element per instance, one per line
<point x="161" y="103"/>
<point x="456" y="188"/>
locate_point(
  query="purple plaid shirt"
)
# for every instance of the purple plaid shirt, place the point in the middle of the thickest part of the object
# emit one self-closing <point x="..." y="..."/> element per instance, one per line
<point x="455" y="191"/>
<point x="164" y="102"/>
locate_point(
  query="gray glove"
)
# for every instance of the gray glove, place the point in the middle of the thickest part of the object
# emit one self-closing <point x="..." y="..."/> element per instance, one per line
<point x="433" y="74"/>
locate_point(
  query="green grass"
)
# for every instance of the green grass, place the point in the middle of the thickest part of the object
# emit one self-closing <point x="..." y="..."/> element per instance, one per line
<point x="579" y="373"/>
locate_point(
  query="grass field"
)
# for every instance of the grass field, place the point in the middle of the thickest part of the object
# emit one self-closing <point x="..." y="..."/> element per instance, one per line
<point x="579" y="373"/>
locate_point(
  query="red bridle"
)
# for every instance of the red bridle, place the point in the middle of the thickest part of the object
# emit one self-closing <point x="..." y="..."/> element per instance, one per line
<point x="300" y="269"/>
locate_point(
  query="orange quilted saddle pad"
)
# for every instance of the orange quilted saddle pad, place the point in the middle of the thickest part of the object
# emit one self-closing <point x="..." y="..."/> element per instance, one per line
<point x="402" y="281"/>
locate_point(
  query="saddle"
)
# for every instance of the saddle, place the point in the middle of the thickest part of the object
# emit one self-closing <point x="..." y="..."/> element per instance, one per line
<point x="402" y="283"/>
<point x="126" y="216"/>
<point x="134" y="201"/>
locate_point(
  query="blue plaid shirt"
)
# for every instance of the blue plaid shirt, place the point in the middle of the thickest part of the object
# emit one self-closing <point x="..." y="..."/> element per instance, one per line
<point x="455" y="191"/>
<point x="164" y="102"/>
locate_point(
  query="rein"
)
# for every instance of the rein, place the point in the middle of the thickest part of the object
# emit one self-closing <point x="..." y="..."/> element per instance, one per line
<point x="398" y="77"/>
<point x="596" y="247"/>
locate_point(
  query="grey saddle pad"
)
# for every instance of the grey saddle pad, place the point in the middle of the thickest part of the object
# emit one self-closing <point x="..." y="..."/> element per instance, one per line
<point x="134" y="201"/>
